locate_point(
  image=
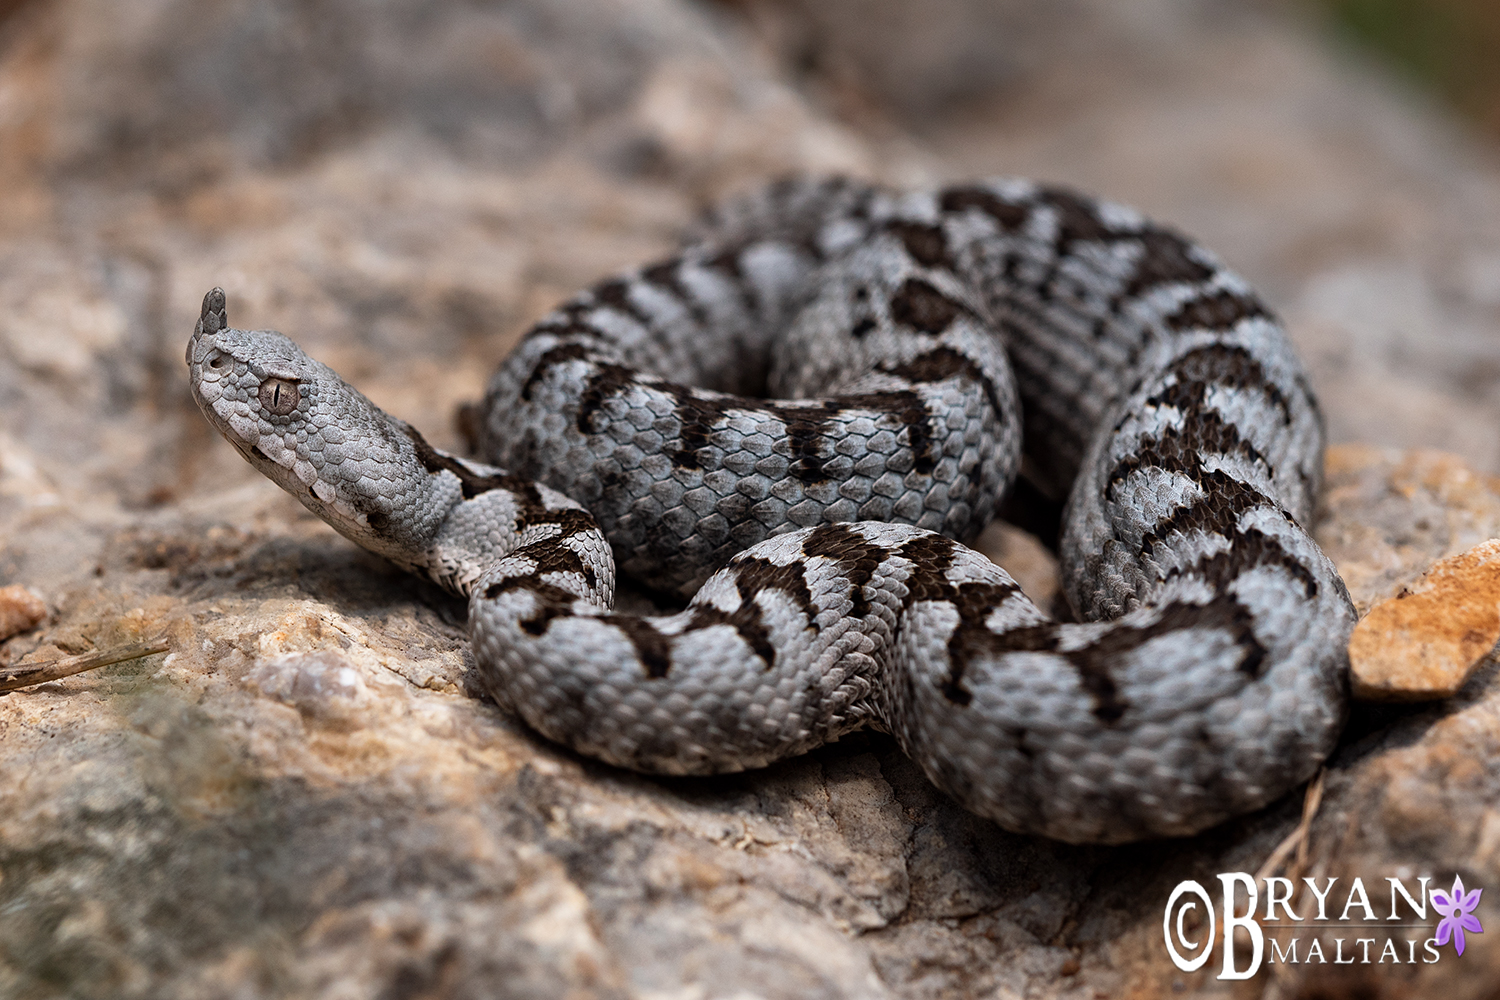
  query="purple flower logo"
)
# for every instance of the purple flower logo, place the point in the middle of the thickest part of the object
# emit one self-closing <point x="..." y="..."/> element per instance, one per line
<point x="1458" y="914"/>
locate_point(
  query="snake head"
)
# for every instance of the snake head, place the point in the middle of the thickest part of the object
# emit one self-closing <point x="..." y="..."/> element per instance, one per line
<point x="309" y="431"/>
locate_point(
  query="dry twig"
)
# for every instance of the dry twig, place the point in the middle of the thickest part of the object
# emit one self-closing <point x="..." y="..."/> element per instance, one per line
<point x="27" y="674"/>
<point x="1297" y="839"/>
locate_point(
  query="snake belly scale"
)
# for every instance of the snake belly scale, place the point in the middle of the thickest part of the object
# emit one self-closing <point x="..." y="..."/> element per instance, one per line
<point x="799" y="420"/>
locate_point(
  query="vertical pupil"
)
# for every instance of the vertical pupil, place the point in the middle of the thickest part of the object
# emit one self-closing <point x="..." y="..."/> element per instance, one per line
<point x="276" y="395"/>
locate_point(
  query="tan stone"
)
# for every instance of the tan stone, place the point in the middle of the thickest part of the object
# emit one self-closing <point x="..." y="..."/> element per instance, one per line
<point x="20" y="611"/>
<point x="1425" y="642"/>
<point x="1025" y="559"/>
<point x="1390" y="514"/>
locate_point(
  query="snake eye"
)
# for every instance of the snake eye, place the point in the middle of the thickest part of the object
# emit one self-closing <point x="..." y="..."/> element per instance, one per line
<point x="279" y="396"/>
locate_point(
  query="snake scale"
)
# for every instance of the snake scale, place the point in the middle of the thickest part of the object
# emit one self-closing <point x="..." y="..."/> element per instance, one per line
<point x="799" y="420"/>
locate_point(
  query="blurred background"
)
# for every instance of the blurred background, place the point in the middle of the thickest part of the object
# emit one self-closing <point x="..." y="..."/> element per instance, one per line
<point x="414" y="181"/>
<point x="403" y="186"/>
<point x="1450" y="48"/>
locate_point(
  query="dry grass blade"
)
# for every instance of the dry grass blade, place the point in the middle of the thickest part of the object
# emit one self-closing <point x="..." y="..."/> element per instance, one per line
<point x="1297" y="839"/>
<point x="27" y="674"/>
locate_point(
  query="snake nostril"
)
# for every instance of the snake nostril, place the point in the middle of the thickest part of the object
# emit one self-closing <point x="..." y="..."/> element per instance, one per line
<point x="216" y="361"/>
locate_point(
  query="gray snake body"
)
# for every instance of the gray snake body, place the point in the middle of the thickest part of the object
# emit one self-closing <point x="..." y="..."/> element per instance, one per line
<point x="899" y="342"/>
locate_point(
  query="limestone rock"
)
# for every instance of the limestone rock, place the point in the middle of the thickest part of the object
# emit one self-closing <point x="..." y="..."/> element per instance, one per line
<point x="1425" y="642"/>
<point x="1390" y="514"/>
<point x="20" y="610"/>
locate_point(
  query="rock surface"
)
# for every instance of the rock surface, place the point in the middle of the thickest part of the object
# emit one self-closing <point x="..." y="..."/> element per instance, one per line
<point x="308" y="797"/>
<point x="1425" y="642"/>
<point x="20" y="610"/>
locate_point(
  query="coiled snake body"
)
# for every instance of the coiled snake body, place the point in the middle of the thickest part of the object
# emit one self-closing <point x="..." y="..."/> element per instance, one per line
<point x="895" y="342"/>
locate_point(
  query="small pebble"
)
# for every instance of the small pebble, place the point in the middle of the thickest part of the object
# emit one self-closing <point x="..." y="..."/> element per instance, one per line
<point x="20" y="610"/>
<point x="1425" y="642"/>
